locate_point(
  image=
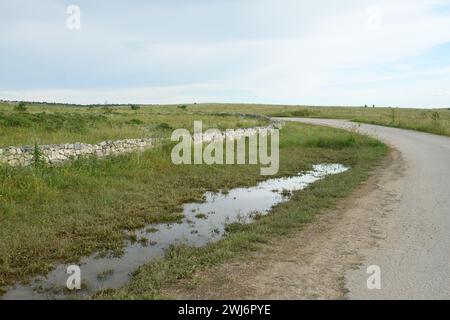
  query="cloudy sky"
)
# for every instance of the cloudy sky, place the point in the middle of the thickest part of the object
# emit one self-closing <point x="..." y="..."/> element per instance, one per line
<point x="322" y="52"/>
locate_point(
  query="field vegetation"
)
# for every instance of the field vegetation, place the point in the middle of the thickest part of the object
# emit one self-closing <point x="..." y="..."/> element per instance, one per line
<point x="54" y="124"/>
<point x="58" y="214"/>
<point x="435" y="121"/>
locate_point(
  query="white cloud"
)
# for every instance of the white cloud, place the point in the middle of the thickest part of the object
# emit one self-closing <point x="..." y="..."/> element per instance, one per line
<point x="286" y="51"/>
<point x="153" y="94"/>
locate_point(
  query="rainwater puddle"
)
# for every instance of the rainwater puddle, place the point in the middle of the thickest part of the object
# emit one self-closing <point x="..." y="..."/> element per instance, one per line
<point x="203" y="223"/>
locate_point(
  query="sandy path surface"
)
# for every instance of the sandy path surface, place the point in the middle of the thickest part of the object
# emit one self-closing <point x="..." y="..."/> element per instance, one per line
<point x="399" y="221"/>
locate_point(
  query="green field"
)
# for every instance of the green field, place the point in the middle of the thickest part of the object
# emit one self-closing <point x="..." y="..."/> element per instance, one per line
<point x="435" y="121"/>
<point x="301" y="146"/>
<point x="59" y="214"/>
<point x="54" y="124"/>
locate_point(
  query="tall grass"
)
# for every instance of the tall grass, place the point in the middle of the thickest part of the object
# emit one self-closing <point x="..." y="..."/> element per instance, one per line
<point x="435" y="121"/>
<point x="54" y="125"/>
<point x="182" y="262"/>
<point x="61" y="213"/>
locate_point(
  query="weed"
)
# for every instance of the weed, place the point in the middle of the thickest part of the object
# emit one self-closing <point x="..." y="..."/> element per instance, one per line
<point x="151" y="230"/>
<point x="21" y="107"/>
<point x="37" y="156"/>
<point x="201" y="216"/>
<point x="134" y="121"/>
<point x="102" y="276"/>
<point x="164" y="126"/>
<point x="133" y="237"/>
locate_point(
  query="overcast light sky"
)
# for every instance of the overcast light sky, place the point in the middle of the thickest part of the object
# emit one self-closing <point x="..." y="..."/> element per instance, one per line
<point x="347" y="52"/>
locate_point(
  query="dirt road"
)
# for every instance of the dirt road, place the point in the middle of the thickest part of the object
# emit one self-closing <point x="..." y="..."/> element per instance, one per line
<point x="399" y="221"/>
<point x="414" y="257"/>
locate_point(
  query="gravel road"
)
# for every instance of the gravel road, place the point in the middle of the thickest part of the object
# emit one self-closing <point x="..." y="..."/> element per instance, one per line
<point x="414" y="252"/>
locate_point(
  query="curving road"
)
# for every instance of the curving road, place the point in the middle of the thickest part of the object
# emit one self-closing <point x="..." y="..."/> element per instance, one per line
<point x="413" y="247"/>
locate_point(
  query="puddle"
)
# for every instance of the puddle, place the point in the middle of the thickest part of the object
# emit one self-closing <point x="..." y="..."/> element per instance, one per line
<point x="202" y="223"/>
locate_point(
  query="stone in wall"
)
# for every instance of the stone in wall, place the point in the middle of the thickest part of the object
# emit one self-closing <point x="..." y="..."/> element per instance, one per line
<point x="61" y="153"/>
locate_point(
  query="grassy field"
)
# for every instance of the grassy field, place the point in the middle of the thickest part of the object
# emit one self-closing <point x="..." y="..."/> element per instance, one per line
<point x="58" y="214"/>
<point x="49" y="124"/>
<point x="53" y="124"/>
<point x="435" y="121"/>
<point x="301" y="146"/>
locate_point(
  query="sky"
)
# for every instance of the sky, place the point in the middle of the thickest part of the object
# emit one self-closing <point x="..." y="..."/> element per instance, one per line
<point x="322" y="52"/>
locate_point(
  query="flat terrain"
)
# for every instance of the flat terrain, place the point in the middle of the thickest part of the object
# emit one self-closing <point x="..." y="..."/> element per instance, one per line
<point x="59" y="214"/>
<point x="435" y="121"/>
<point x="399" y="220"/>
<point x="54" y="124"/>
<point x="186" y="264"/>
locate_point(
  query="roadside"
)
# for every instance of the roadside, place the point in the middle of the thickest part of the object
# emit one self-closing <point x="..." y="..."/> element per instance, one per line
<point x="398" y="221"/>
<point x="311" y="263"/>
<point x="189" y="272"/>
<point x="413" y="258"/>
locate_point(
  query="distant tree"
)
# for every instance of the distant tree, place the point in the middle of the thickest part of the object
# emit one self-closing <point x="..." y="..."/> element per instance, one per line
<point x="135" y="107"/>
<point x="365" y="106"/>
<point x="373" y="106"/>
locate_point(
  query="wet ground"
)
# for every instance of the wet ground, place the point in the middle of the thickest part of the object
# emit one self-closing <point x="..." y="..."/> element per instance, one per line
<point x="203" y="223"/>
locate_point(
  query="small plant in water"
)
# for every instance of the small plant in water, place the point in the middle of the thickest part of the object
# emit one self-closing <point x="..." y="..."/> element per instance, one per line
<point x="286" y="193"/>
<point x="232" y="227"/>
<point x="133" y="237"/>
<point x="151" y="230"/>
<point x="255" y="215"/>
<point x="201" y="216"/>
<point x="104" y="275"/>
<point x="143" y="241"/>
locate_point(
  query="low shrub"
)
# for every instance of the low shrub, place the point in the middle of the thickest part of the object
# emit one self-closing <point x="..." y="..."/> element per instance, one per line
<point x="21" y="107"/>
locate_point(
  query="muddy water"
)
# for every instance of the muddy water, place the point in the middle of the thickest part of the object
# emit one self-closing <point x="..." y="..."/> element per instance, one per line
<point x="202" y="223"/>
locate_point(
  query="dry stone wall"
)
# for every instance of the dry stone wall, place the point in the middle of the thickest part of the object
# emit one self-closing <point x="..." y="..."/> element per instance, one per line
<point x="61" y="153"/>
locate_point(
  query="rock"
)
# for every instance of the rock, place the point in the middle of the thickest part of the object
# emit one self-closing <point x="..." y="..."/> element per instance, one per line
<point x="56" y="154"/>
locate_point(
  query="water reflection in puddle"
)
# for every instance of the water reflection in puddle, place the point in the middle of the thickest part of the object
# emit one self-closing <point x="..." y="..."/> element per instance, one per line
<point x="202" y="223"/>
